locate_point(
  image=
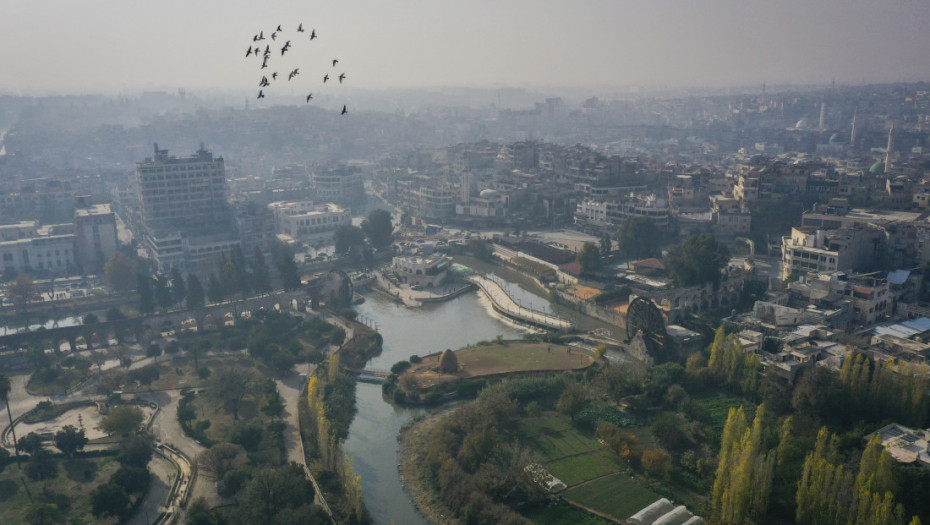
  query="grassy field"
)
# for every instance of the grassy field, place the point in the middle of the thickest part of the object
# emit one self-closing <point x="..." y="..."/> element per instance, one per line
<point x="577" y="469"/>
<point x="59" y="383"/>
<point x="496" y="358"/>
<point x="717" y="407"/>
<point x="69" y="489"/>
<point x="618" y="495"/>
<point x="562" y="514"/>
<point x="179" y="372"/>
<point x="553" y="437"/>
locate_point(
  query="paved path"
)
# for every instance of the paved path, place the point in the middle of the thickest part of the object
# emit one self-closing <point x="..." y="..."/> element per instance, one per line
<point x="504" y="304"/>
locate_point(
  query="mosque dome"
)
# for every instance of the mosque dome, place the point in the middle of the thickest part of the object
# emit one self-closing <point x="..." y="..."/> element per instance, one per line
<point x="802" y="124"/>
<point x="490" y="194"/>
<point x="878" y="167"/>
<point x="836" y="138"/>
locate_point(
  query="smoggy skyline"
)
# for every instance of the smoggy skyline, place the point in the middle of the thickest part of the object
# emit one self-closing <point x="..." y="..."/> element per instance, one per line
<point x="106" y="46"/>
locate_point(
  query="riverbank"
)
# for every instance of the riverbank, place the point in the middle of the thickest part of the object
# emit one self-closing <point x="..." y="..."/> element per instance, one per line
<point x="413" y="440"/>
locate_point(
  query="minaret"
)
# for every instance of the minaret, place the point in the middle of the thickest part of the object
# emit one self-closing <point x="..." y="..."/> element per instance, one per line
<point x="823" y="114"/>
<point x="890" y="148"/>
<point x="852" y="134"/>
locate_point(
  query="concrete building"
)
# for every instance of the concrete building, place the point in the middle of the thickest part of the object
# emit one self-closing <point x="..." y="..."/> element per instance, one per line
<point x="342" y="185"/>
<point x="96" y="239"/>
<point x="608" y="215"/>
<point x="26" y="248"/>
<point x="186" y="219"/>
<point x="728" y="216"/>
<point x="810" y="249"/>
<point x="305" y="222"/>
<point x="428" y="271"/>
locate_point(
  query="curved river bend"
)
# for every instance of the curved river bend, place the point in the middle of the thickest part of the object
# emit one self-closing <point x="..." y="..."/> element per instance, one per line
<point x="372" y="441"/>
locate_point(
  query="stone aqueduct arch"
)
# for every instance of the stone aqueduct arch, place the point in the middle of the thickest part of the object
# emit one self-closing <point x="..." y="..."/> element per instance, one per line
<point x="139" y="327"/>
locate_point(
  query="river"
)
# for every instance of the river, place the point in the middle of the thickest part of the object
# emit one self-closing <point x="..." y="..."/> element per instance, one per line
<point x="372" y="440"/>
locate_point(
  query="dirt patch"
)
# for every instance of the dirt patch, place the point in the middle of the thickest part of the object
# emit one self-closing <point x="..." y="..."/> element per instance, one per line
<point x="413" y="441"/>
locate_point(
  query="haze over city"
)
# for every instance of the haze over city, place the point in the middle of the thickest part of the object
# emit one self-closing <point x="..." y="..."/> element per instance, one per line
<point x="106" y="46"/>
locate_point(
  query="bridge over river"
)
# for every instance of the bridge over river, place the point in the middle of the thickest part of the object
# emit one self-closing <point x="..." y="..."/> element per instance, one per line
<point x="504" y="304"/>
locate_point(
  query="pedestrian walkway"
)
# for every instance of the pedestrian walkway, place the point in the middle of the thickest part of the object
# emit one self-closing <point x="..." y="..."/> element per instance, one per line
<point x="504" y="304"/>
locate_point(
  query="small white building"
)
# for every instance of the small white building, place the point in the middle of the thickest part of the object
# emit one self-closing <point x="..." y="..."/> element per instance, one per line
<point x="306" y="222"/>
<point x="427" y="271"/>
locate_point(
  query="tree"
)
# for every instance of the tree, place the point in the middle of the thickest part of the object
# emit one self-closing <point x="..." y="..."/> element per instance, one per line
<point x="91" y="318"/>
<point x="178" y="286"/>
<point x="639" y="238"/>
<point x="656" y="463"/>
<point x="744" y="473"/>
<point x="231" y="384"/>
<point x="261" y="280"/>
<point x="572" y="400"/>
<point x="146" y="293"/>
<point x="283" y="256"/>
<point x="153" y="351"/>
<point x="698" y="260"/>
<point x="163" y="293"/>
<point x="135" y="451"/>
<point x="119" y="272"/>
<point x="132" y="479"/>
<point x="589" y="257"/>
<point x="109" y="500"/>
<point x="122" y="420"/>
<point x="21" y="291"/>
<point x="273" y="490"/>
<point x="69" y="440"/>
<point x="378" y="228"/>
<point x="347" y="236"/>
<point x="215" y="290"/>
<point x="200" y="513"/>
<point x="606" y="245"/>
<point x="5" y="387"/>
<point x="221" y="458"/>
<point x="194" y="291"/>
<point x="43" y="514"/>
<point x="31" y="444"/>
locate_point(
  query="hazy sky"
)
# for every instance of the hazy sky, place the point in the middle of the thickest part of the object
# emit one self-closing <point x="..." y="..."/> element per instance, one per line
<point x="75" y="46"/>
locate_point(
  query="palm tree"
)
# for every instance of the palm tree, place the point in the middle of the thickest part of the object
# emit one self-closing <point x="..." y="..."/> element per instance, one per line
<point x="5" y="387"/>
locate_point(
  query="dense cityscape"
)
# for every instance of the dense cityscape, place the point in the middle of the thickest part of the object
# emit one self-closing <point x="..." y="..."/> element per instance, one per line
<point x="707" y="308"/>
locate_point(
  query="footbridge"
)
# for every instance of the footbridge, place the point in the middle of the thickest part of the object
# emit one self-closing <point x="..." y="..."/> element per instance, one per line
<point x="503" y="303"/>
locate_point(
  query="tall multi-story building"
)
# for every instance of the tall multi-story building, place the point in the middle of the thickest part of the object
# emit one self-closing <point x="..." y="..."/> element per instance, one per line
<point x="186" y="219"/>
<point x="342" y="185"/>
<point x="183" y="193"/>
<point x="96" y="238"/>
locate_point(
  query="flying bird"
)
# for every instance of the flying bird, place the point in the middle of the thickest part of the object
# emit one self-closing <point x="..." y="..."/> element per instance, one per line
<point x="293" y="73"/>
<point x="335" y="61"/>
<point x="287" y="46"/>
<point x="260" y="94"/>
<point x="249" y="52"/>
<point x="274" y="35"/>
<point x="274" y="76"/>
<point x="325" y="78"/>
<point x="264" y="82"/>
<point x="312" y="34"/>
<point x="261" y="36"/>
<point x="300" y="28"/>
<point x="267" y="49"/>
<point x="309" y="97"/>
<point x="342" y="77"/>
<point x="344" y="110"/>
<point x="279" y="28"/>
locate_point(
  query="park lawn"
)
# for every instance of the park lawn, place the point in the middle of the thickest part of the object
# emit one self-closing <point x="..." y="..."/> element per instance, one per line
<point x="619" y="495"/>
<point x="562" y="514"/>
<point x="553" y="437"/>
<point x="179" y="372"/>
<point x="573" y="470"/>
<point x="501" y="358"/>
<point x="60" y="384"/>
<point x="75" y="480"/>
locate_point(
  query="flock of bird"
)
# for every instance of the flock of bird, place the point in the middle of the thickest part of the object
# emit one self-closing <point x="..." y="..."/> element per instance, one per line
<point x="266" y="54"/>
